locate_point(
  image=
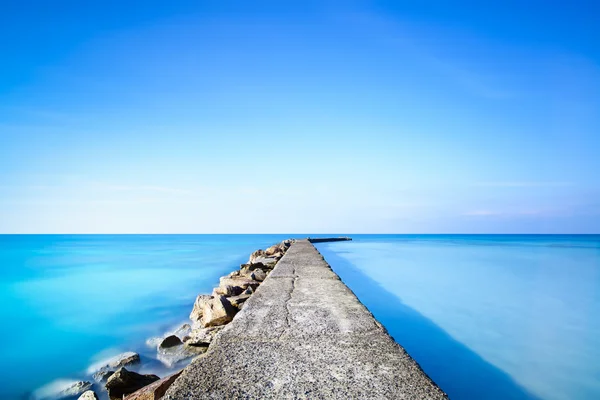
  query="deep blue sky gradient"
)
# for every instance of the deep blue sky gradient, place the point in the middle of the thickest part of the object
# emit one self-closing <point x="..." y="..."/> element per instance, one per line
<point x="195" y="116"/>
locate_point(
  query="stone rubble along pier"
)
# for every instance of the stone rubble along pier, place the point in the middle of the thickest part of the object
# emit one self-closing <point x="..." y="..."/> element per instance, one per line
<point x="303" y="335"/>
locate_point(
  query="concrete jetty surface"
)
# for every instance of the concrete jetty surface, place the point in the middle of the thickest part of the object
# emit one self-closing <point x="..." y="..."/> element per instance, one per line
<point x="304" y="335"/>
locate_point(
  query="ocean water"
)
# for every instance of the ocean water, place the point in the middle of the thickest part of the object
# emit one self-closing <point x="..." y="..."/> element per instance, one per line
<point x="486" y="316"/>
<point x="67" y="301"/>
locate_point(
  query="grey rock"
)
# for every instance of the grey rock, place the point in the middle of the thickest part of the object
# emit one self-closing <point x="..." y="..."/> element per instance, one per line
<point x="201" y="300"/>
<point x="172" y="356"/>
<point x="228" y="290"/>
<point x="218" y="311"/>
<point x="127" y="359"/>
<point x="170" y="341"/>
<point x="155" y="390"/>
<point x="88" y="395"/>
<point x="182" y="331"/>
<point x="256" y="254"/>
<point x="102" y="376"/>
<point x="124" y="382"/>
<point x="268" y="262"/>
<point x="258" y="275"/>
<point x="203" y="337"/>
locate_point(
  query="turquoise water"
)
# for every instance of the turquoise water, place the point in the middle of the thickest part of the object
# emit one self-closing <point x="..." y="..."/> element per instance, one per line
<point x="486" y="316"/>
<point x="67" y="301"/>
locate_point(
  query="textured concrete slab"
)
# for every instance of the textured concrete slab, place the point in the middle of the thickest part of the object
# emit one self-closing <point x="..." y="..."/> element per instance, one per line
<point x="304" y="335"/>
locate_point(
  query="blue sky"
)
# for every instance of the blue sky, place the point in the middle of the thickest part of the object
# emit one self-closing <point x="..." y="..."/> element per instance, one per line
<point x="354" y="116"/>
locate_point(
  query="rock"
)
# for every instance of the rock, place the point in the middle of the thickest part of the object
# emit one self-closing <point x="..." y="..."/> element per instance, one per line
<point x="124" y="382"/>
<point x="102" y="376"/>
<point x="102" y="370"/>
<point x="183" y="331"/>
<point x="237" y="301"/>
<point x="218" y="311"/>
<point x="249" y="291"/>
<point x="258" y="275"/>
<point x="267" y="261"/>
<point x="203" y="337"/>
<point x="272" y="250"/>
<point x="89" y="395"/>
<point x="173" y="355"/>
<point x="170" y="341"/>
<point x="62" y="389"/>
<point x="201" y="300"/>
<point x="253" y="256"/>
<point x="243" y="282"/>
<point x="155" y="390"/>
<point x="233" y="274"/>
<point x="229" y="290"/>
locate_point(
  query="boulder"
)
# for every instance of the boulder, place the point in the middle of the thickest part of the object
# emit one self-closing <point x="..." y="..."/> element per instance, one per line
<point x="99" y="370"/>
<point x="258" y="275"/>
<point x="155" y="390"/>
<point x="203" y="337"/>
<point x="268" y="262"/>
<point x="89" y="395"/>
<point x="228" y="290"/>
<point x="124" y="382"/>
<point x="256" y="254"/>
<point x="201" y="300"/>
<point x="102" y="376"/>
<point x="237" y="301"/>
<point x="233" y="274"/>
<point x="182" y="331"/>
<point x="272" y="250"/>
<point x="171" y="356"/>
<point x="218" y="311"/>
<point x="249" y="291"/>
<point x="170" y="341"/>
<point x="242" y="281"/>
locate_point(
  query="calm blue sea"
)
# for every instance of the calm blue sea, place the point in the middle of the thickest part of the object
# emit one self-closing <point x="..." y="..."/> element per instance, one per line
<point x="486" y="316"/>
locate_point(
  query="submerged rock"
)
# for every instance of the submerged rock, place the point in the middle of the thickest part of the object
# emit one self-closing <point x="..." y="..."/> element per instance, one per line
<point x="126" y="359"/>
<point x="218" y="311"/>
<point x="201" y="300"/>
<point x="182" y="331"/>
<point x="102" y="376"/>
<point x="155" y="390"/>
<point x="124" y="382"/>
<point x="62" y="389"/>
<point x="170" y="341"/>
<point x="89" y="395"/>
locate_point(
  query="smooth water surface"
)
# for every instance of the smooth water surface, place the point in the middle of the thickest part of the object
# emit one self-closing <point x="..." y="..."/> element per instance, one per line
<point x="68" y="300"/>
<point x="486" y="316"/>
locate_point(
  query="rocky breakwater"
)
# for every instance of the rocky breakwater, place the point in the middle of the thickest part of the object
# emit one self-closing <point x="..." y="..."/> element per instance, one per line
<point x="120" y="377"/>
<point x="209" y="316"/>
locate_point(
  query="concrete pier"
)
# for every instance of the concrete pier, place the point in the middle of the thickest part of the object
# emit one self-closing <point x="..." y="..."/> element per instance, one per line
<point x="304" y="335"/>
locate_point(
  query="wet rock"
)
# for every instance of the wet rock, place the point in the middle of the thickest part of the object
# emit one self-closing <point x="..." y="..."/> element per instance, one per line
<point x="258" y="275"/>
<point x="218" y="311"/>
<point x="155" y="390"/>
<point x="62" y="389"/>
<point x="203" y="337"/>
<point x="127" y="359"/>
<point x="170" y="357"/>
<point x="182" y="331"/>
<point x="170" y="341"/>
<point x="102" y="376"/>
<point x="124" y="382"/>
<point x="89" y="395"/>
<point x="201" y="300"/>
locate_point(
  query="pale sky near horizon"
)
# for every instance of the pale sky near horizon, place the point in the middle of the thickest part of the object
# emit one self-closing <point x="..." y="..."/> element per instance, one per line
<point x="268" y="117"/>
